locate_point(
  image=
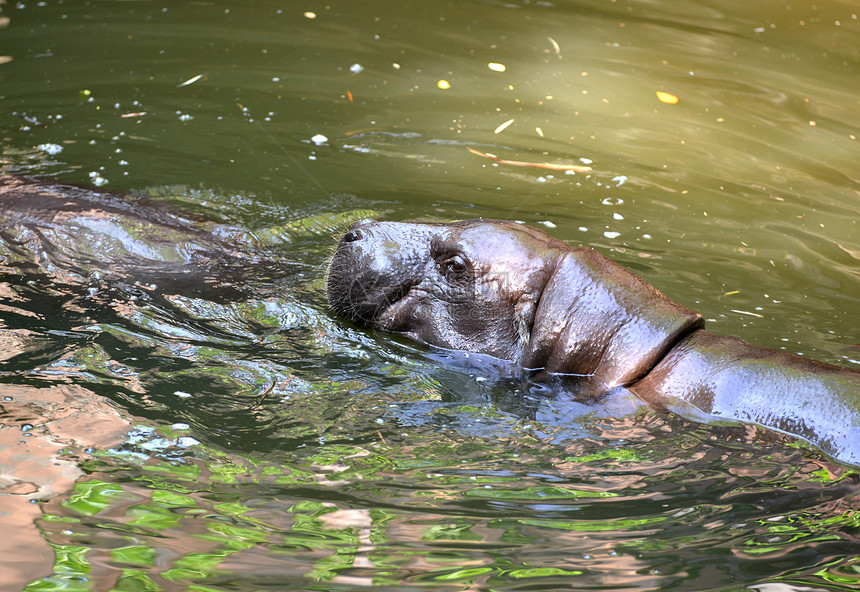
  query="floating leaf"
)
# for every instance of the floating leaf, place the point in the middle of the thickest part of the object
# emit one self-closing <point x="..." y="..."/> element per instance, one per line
<point x="191" y="80"/>
<point x="504" y="126"/>
<point x="667" y="98"/>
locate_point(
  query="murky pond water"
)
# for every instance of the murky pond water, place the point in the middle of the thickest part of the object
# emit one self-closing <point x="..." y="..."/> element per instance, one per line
<point x="274" y="446"/>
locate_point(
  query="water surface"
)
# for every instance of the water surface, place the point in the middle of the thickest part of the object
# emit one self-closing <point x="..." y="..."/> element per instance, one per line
<point x="276" y="447"/>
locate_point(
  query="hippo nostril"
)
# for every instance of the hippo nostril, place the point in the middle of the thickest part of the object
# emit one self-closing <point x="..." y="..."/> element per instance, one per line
<point x="352" y="236"/>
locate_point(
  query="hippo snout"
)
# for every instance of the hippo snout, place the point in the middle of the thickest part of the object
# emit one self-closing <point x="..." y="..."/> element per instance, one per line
<point x="373" y="266"/>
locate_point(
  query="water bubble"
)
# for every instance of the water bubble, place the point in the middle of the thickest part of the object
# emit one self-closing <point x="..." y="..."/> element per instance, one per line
<point x="96" y="179"/>
<point x="50" y="148"/>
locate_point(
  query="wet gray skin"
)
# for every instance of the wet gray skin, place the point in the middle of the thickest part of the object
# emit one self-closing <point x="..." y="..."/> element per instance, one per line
<point x="440" y="285"/>
<point x="513" y="292"/>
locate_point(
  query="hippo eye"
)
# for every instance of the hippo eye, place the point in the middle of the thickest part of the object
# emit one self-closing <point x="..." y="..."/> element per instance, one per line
<point x="455" y="268"/>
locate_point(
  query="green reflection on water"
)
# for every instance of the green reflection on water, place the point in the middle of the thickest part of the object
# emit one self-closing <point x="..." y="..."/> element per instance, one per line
<point x="91" y="497"/>
<point x="539" y="493"/>
<point x="134" y="555"/>
<point x="595" y="525"/>
<point x="539" y="572"/>
<point x="842" y="572"/>
<point x="322" y="537"/>
<point x="616" y="454"/>
<point x="70" y="571"/>
<point x="731" y="201"/>
<point x="133" y="580"/>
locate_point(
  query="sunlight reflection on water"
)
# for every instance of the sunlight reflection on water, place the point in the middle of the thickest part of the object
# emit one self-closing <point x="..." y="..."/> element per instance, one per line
<point x="276" y="447"/>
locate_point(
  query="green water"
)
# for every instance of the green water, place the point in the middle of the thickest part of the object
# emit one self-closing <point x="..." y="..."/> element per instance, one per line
<point x="321" y="457"/>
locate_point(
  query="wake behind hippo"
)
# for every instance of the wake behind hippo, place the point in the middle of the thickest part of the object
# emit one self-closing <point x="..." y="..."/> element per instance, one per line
<point x="513" y="292"/>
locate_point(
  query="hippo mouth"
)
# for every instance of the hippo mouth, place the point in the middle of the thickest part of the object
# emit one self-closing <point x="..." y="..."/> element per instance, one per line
<point x="361" y="298"/>
<point x="365" y="281"/>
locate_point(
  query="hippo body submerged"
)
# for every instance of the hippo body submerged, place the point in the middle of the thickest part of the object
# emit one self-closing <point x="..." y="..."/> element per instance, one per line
<point x="76" y="235"/>
<point x="513" y="292"/>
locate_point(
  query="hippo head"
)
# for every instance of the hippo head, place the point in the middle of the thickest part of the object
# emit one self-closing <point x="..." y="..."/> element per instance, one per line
<point x="509" y="291"/>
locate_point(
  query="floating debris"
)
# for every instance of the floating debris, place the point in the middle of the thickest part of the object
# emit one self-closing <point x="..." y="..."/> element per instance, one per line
<point x="443" y="84"/>
<point x="191" y="80"/>
<point x="574" y="168"/>
<point x="496" y="67"/>
<point x="28" y="119"/>
<point x="747" y="313"/>
<point x="504" y="126"/>
<point x="667" y="98"/>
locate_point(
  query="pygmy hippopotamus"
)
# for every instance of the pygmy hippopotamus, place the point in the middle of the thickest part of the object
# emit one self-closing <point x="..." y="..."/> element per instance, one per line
<point x="515" y="293"/>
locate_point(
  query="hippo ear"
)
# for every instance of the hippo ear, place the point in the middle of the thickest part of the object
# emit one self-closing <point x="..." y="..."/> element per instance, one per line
<point x="602" y="324"/>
